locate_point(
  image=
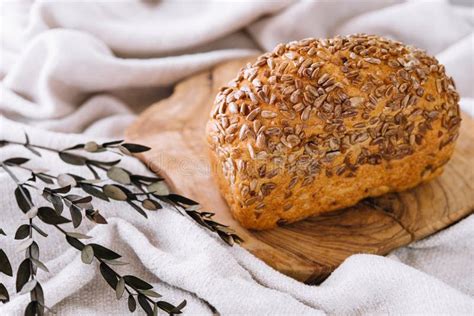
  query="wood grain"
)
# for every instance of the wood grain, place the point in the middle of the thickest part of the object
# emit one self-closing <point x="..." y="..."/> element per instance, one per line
<point x="311" y="249"/>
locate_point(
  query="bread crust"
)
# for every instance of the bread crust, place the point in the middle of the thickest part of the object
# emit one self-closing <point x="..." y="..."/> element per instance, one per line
<point x="318" y="125"/>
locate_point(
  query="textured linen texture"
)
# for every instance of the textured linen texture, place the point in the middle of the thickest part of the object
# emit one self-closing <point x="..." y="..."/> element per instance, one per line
<point x="75" y="71"/>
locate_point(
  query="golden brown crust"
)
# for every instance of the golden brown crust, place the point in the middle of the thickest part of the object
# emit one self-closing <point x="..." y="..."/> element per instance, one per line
<point x="318" y="125"/>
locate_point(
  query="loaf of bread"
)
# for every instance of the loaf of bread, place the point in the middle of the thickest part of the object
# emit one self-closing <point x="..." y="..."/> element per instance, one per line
<point x="320" y="124"/>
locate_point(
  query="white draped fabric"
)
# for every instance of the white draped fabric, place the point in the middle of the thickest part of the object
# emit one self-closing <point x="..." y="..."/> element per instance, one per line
<point x="75" y="71"/>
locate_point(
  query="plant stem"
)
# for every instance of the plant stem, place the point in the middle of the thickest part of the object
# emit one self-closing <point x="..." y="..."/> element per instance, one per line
<point x="30" y="204"/>
<point x="100" y="167"/>
<point x="105" y="263"/>
<point x="145" y="193"/>
<point x="13" y="176"/>
<point x="31" y="145"/>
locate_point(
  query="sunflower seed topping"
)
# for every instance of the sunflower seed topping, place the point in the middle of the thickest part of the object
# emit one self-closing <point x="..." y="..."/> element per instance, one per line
<point x="268" y="114"/>
<point x="261" y="141"/>
<point x="323" y="108"/>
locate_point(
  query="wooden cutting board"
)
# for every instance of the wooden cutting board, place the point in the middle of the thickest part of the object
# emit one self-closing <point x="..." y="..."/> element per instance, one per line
<point x="311" y="249"/>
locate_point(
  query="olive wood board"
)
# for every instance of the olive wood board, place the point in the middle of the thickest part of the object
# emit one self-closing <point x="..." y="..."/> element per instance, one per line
<point x="311" y="249"/>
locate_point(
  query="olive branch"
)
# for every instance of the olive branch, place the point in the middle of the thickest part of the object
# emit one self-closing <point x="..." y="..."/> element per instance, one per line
<point x="142" y="193"/>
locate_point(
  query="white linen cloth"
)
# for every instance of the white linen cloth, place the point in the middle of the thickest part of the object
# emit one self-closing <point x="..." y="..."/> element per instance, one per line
<point x="75" y="71"/>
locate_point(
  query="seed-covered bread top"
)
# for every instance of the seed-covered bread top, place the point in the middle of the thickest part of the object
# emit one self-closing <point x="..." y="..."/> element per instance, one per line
<point x="318" y="109"/>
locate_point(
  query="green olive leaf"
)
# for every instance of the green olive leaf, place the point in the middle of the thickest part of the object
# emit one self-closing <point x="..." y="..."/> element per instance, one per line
<point x="62" y="190"/>
<point x="65" y="179"/>
<point x="115" y="262"/>
<point x="109" y="275"/>
<point x="72" y="159"/>
<point x="78" y="235"/>
<point x="104" y="163"/>
<point x="87" y="254"/>
<point x="76" y="215"/>
<point x="120" y="288"/>
<point x="5" y="266"/>
<point x="159" y="188"/>
<point x="95" y="216"/>
<point x="104" y="253"/>
<point x="40" y="264"/>
<point x="38" y="296"/>
<point x="177" y="309"/>
<point x="145" y="304"/>
<point x="29" y="286"/>
<point x="75" y="243"/>
<point x="24" y="244"/>
<point x="124" y="150"/>
<point x="167" y="307"/>
<point x="135" y="148"/>
<point x="34" y="251"/>
<point x="23" y="274"/>
<point x="137" y="283"/>
<point x="151" y="204"/>
<point x="4" y="297"/>
<point x="16" y="161"/>
<point x="21" y="200"/>
<point x="91" y="147"/>
<point x="78" y="146"/>
<point x="150" y="293"/>
<point x="181" y="199"/>
<point x="49" y="216"/>
<point x="114" y="192"/>
<point x="23" y="231"/>
<point x="83" y="202"/>
<point x="57" y="203"/>
<point x="119" y="175"/>
<point x="137" y="177"/>
<point x="31" y="309"/>
<point x="94" y="192"/>
<point x="45" y="178"/>
<point x="138" y="209"/>
<point x="132" y="304"/>
<point x="112" y="143"/>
